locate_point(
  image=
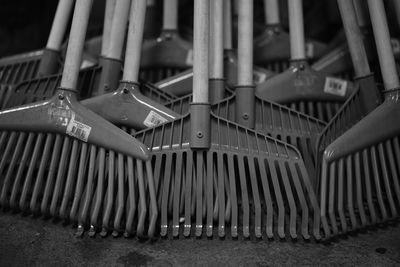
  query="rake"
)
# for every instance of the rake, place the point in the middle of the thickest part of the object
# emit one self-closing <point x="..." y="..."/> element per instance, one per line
<point x="167" y="54"/>
<point x="47" y="143"/>
<point x="360" y="177"/>
<point x="210" y="171"/>
<point x="181" y="84"/>
<point x="272" y="47"/>
<point x="300" y="87"/>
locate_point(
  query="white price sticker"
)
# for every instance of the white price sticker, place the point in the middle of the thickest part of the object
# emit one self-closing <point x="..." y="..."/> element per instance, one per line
<point x="78" y="129"/>
<point x="154" y="119"/>
<point x="395" y="45"/>
<point x="259" y="76"/>
<point x="189" y="58"/>
<point x="335" y="86"/>
<point x="309" y="50"/>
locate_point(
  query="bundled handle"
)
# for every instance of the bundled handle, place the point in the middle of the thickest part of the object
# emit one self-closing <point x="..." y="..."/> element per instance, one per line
<point x="216" y="39"/>
<point x="228" y="24"/>
<point x="245" y="43"/>
<point x="296" y="29"/>
<point x="135" y="36"/>
<point x="108" y="18"/>
<point x="170" y="15"/>
<point x="59" y="26"/>
<point x="354" y="38"/>
<point x="362" y="15"/>
<point x="271" y="12"/>
<point x="75" y="45"/>
<point x="382" y="40"/>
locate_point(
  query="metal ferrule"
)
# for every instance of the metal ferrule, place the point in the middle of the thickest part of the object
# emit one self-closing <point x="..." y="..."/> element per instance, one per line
<point x="245" y="105"/>
<point x="200" y="125"/>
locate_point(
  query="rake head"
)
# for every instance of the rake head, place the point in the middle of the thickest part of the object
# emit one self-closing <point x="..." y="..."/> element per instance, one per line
<point x="360" y="173"/>
<point x="248" y="182"/>
<point x="307" y="91"/>
<point x="165" y="56"/>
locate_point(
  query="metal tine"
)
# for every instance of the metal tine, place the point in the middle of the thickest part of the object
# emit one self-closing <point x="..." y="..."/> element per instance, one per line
<point x="332" y="189"/>
<point x="222" y="180"/>
<point x="378" y="188"/>
<point x="15" y="192"/>
<point x="132" y="196"/>
<point x="153" y="201"/>
<point x="215" y="190"/>
<point x="340" y="197"/>
<point x="199" y="192"/>
<point x="209" y="194"/>
<point x="37" y="188"/>
<point x="142" y="209"/>
<point x="27" y="190"/>
<point x="369" y="186"/>
<point x="359" y="190"/>
<point x="232" y="184"/>
<point x="109" y="198"/>
<point x="188" y="195"/>
<point x="120" y="195"/>
<point x="18" y="148"/>
<point x="245" y="197"/>
<point x="256" y="197"/>
<point x="165" y="194"/>
<point x="349" y="189"/>
<point x="394" y="171"/>
<point x="228" y="201"/>
<point x="78" y="194"/>
<point x="385" y="177"/>
<point x="267" y="200"/>
<point x="70" y="181"/>
<point x="177" y="196"/>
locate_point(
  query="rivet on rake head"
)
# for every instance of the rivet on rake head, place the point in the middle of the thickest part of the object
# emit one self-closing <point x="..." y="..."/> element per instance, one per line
<point x="199" y="134"/>
<point x="126" y="90"/>
<point x="60" y="96"/>
<point x="301" y="67"/>
<point x="245" y="116"/>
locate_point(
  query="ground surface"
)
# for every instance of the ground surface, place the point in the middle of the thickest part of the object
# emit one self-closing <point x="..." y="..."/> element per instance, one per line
<point x="25" y="241"/>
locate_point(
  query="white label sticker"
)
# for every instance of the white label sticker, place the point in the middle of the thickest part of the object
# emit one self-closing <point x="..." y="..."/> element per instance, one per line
<point x="395" y="45"/>
<point x="189" y="58"/>
<point x="154" y="119"/>
<point x="259" y="76"/>
<point x="78" y="129"/>
<point x="87" y="64"/>
<point x="335" y="86"/>
<point x="309" y="50"/>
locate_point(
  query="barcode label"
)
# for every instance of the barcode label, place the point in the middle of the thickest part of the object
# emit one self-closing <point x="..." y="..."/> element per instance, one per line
<point x="395" y="45"/>
<point x="335" y="86"/>
<point x="154" y="119"/>
<point x="259" y="77"/>
<point x="189" y="58"/>
<point x="78" y="130"/>
<point x="309" y="50"/>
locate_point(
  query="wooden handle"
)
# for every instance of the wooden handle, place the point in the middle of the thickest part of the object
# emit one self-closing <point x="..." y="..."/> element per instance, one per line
<point x="108" y="17"/>
<point x="382" y="40"/>
<point x="170" y="15"/>
<point x="135" y="37"/>
<point x="118" y="29"/>
<point x="200" y="51"/>
<point x="296" y="28"/>
<point x="354" y="38"/>
<point x="271" y="12"/>
<point x="216" y="39"/>
<point x="227" y="24"/>
<point x="59" y="26"/>
<point x="361" y="13"/>
<point x="396" y="4"/>
<point x="245" y="43"/>
<point x="76" y="42"/>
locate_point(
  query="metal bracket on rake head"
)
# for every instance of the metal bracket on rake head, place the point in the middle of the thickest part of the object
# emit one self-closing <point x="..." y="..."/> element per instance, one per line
<point x="244" y="177"/>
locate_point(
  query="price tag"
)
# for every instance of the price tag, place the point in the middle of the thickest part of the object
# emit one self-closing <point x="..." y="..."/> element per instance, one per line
<point x="154" y="119"/>
<point x="78" y="129"/>
<point x="335" y="86"/>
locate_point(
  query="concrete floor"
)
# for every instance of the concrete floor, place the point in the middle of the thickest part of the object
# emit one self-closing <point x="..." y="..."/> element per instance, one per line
<point x="35" y="242"/>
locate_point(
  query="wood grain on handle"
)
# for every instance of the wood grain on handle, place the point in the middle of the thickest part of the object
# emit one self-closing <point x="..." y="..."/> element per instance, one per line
<point x="170" y="15"/>
<point x="382" y="40"/>
<point x="59" y="26"/>
<point x="245" y="43"/>
<point x="227" y="24"/>
<point x="216" y="39"/>
<point x="118" y="29"/>
<point x="75" y="44"/>
<point x="271" y="12"/>
<point x="200" y="51"/>
<point x="354" y="38"/>
<point x="108" y="17"/>
<point x="296" y="28"/>
<point x="134" y="44"/>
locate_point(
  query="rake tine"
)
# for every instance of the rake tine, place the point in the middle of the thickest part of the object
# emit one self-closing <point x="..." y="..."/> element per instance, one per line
<point x="209" y="191"/>
<point x="256" y="197"/>
<point x="340" y="197"/>
<point x="268" y="201"/>
<point x="232" y="184"/>
<point x="279" y="200"/>
<point x="52" y="170"/>
<point x="29" y="175"/>
<point x="368" y="184"/>
<point x="121" y="195"/>
<point x="228" y="210"/>
<point x="142" y="200"/>
<point x="99" y="194"/>
<point x="110" y="194"/>
<point x="10" y="171"/>
<point x="199" y="192"/>
<point x="165" y="196"/>
<point x="40" y="176"/>
<point x="177" y="186"/>
<point x="395" y="176"/>
<point x="350" y="197"/>
<point x="60" y="176"/>
<point x="385" y="177"/>
<point x="215" y="189"/>
<point x="331" y="207"/>
<point x="378" y="188"/>
<point x="79" y="186"/>
<point x="360" y="203"/>
<point x="153" y="201"/>
<point x="221" y="192"/>
<point x="69" y="183"/>
<point x="188" y="196"/>
<point x="245" y="198"/>
<point x="131" y="198"/>
<point x="8" y="149"/>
